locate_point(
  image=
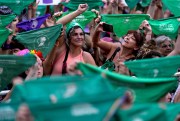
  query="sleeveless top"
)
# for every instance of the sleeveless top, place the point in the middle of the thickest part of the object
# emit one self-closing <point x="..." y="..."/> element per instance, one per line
<point x="58" y="63"/>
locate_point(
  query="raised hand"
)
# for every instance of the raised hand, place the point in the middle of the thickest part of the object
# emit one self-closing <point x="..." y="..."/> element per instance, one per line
<point x="82" y="7"/>
<point x="145" y="26"/>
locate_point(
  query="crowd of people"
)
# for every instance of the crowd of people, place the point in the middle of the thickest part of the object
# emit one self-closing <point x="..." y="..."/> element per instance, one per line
<point x="94" y="46"/>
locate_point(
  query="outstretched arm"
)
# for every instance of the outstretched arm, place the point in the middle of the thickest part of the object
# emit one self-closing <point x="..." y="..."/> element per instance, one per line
<point x="68" y="18"/>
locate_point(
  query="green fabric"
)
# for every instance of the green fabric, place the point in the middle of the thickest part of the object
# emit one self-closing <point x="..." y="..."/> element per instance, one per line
<point x="63" y="87"/>
<point x="144" y="112"/>
<point x="144" y="89"/>
<point x="6" y="19"/>
<point x="71" y="25"/>
<point x="4" y="33"/>
<point x="155" y="67"/>
<point x="168" y="27"/>
<point x="41" y="39"/>
<point x="145" y="3"/>
<point x="122" y="23"/>
<point x="83" y="19"/>
<point x="67" y="97"/>
<point x="72" y="5"/>
<point x="86" y="108"/>
<point x="173" y="6"/>
<point x="41" y="9"/>
<point x="16" y="5"/>
<point x="11" y="66"/>
<point x="150" y="112"/>
<point x="132" y="3"/>
<point x="8" y="111"/>
<point x="108" y="65"/>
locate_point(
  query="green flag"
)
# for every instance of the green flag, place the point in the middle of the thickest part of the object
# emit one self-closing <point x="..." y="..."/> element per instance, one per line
<point x="16" y="5"/>
<point x="132" y="3"/>
<point x="144" y="89"/>
<point x="122" y="23"/>
<point x="144" y="112"/>
<point x="173" y="6"/>
<point x="168" y="27"/>
<point x="63" y="87"/>
<point x="41" y="39"/>
<point x="83" y="19"/>
<point x="92" y="4"/>
<point x="4" y="33"/>
<point x="145" y="3"/>
<point x="155" y="67"/>
<point x="68" y="97"/>
<point x="150" y="112"/>
<point x="11" y="66"/>
<point x="91" y="107"/>
<point x="6" y="19"/>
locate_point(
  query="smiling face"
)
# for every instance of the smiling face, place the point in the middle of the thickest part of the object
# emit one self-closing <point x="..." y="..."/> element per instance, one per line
<point x="77" y="37"/>
<point x="129" y="41"/>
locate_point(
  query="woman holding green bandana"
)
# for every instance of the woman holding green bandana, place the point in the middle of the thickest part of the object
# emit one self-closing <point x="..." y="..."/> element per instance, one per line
<point x="129" y="46"/>
<point x="68" y="49"/>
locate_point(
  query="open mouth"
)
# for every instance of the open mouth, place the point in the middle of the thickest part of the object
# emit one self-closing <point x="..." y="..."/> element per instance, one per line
<point x="125" y="41"/>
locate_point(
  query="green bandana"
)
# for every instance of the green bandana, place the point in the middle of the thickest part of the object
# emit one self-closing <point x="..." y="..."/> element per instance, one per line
<point x="4" y="33"/>
<point x="108" y="65"/>
<point x="80" y="86"/>
<point x="155" y="67"/>
<point x="143" y="89"/>
<point x="132" y="3"/>
<point x="92" y="4"/>
<point x="41" y="39"/>
<point x="173" y="6"/>
<point x="168" y="27"/>
<point x="11" y="66"/>
<point x="6" y="19"/>
<point x="122" y="23"/>
<point x="150" y="112"/>
<point x="72" y="97"/>
<point x="16" y="5"/>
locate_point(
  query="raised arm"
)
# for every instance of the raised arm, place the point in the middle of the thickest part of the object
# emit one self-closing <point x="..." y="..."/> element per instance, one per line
<point x="145" y="26"/>
<point x="68" y="18"/>
<point x="96" y="39"/>
<point x="176" y="50"/>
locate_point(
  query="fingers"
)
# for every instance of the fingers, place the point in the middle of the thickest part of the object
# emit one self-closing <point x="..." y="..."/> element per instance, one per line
<point x="98" y="19"/>
<point x="71" y="68"/>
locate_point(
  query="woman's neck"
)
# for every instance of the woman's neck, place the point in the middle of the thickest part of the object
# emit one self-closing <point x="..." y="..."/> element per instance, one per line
<point x="126" y="52"/>
<point x="74" y="50"/>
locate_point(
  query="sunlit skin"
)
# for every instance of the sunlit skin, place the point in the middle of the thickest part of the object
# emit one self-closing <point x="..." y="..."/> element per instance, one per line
<point x="40" y="68"/>
<point x="77" y="37"/>
<point x="129" y="41"/>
